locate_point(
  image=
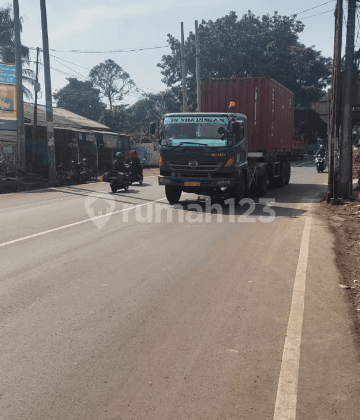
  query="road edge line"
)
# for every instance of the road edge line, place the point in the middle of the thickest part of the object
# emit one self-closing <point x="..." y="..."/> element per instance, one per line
<point x="286" y="397"/>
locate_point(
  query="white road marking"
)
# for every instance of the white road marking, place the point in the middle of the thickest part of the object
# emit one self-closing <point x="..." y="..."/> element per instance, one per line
<point x="35" y="235"/>
<point x="286" y="398"/>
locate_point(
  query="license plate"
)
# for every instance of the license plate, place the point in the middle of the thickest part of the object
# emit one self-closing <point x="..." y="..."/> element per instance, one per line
<point x="192" y="184"/>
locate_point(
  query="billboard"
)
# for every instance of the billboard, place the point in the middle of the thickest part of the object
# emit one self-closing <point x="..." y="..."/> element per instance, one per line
<point x="7" y="74"/>
<point x="7" y="102"/>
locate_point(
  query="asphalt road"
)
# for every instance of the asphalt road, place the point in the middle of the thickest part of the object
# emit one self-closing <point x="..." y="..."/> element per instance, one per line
<point x="154" y="312"/>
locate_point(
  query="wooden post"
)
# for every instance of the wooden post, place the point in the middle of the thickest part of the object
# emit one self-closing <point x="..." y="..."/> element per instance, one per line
<point x="21" y="156"/>
<point x="345" y="172"/>
<point x="48" y="95"/>
<point x="35" y="107"/>
<point x="335" y="115"/>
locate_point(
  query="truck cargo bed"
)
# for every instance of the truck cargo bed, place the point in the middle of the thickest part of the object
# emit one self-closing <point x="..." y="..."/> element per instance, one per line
<point x="268" y="105"/>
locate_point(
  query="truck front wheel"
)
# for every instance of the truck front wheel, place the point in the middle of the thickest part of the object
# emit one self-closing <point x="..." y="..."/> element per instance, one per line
<point x="263" y="184"/>
<point x="239" y="191"/>
<point x="172" y="193"/>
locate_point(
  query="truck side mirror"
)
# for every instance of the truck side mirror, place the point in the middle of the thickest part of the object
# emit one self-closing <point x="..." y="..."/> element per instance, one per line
<point x="153" y="127"/>
<point x="237" y="127"/>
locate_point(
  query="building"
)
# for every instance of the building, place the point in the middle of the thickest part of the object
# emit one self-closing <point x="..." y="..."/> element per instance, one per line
<point x="75" y="137"/>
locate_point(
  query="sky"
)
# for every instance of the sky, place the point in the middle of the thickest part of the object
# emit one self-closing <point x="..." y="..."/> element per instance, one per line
<point x="108" y="25"/>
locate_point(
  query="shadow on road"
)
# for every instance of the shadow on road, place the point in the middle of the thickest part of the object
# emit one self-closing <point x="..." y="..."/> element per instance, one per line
<point x="249" y="208"/>
<point x="85" y="192"/>
<point x="298" y="193"/>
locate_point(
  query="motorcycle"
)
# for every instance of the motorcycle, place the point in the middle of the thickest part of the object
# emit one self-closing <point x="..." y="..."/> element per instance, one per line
<point x="320" y="163"/>
<point x="136" y="171"/>
<point x="79" y="173"/>
<point x="117" y="180"/>
<point x="62" y="175"/>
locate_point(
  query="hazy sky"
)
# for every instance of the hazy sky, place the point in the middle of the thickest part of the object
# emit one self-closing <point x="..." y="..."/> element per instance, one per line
<point x="123" y="25"/>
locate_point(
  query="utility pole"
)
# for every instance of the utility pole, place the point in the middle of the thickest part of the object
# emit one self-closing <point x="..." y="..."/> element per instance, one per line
<point x="185" y="108"/>
<point x="345" y="187"/>
<point x="37" y="88"/>
<point x="336" y="99"/>
<point x="48" y="97"/>
<point x="198" y="80"/>
<point x="21" y="156"/>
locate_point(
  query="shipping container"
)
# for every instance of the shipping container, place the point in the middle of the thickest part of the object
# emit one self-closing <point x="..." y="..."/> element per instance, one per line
<point x="268" y="105"/>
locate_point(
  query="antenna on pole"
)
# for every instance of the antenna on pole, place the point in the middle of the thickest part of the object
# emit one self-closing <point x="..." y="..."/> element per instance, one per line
<point x="198" y="80"/>
<point x="185" y="108"/>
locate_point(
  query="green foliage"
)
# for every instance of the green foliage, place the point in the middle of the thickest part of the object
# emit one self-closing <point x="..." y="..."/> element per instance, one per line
<point x="250" y="47"/>
<point x="112" y="81"/>
<point x="7" y="48"/>
<point x="116" y="118"/>
<point x="81" y="98"/>
<point x="149" y="108"/>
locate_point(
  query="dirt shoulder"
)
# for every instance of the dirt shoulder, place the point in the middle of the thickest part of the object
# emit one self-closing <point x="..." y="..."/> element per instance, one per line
<point x="151" y="171"/>
<point x="344" y="222"/>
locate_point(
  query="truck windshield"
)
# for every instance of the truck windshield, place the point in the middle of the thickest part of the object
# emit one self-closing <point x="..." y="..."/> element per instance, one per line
<point x="203" y="130"/>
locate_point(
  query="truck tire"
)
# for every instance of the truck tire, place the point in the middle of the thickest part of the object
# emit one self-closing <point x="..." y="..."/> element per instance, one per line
<point x="239" y="191"/>
<point x="172" y="193"/>
<point x="113" y="186"/>
<point x="280" y="181"/>
<point x="263" y="185"/>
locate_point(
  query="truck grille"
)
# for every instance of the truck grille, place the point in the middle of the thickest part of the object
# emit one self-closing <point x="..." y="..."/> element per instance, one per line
<point x="202" y="166"/>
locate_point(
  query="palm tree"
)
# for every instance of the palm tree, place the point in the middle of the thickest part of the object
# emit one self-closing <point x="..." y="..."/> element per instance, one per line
<point x="7" y="48"/>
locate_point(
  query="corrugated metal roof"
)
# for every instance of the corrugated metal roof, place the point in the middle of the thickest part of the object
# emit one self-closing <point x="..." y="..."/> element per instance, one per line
<point x="62" y="118"/>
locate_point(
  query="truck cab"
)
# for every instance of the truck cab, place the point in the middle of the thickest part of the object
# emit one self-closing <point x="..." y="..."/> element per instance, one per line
<point x="202" y="153"/>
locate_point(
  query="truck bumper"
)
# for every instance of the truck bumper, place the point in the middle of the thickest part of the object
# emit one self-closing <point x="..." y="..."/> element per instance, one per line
<point x="197" y="182"/>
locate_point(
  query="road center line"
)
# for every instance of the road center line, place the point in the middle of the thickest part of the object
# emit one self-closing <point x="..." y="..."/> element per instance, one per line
<point x="286" y="398"/>
<point x="35" y="235"/>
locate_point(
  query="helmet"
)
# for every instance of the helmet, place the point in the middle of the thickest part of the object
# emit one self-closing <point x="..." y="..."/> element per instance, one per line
<point x="118" y="154"/>
<point x="322" y="147"/>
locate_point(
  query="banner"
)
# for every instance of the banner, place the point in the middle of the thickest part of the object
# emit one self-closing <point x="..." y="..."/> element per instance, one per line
<point x="110" y="141"/>
<point x="7" y="102"/>
<point x="7" y="74"/>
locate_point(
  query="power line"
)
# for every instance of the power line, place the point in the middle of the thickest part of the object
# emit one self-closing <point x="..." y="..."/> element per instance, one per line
<point x="318" y="14"/>
<point x="315" y="7"/>
<point x="70" y="62"/>
<point x="85" y="68"/>
<point x="84" y="77"/>
<point x="104" y="51"/>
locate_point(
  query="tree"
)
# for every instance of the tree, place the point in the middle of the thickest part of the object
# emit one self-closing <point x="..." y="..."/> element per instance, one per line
<point x="81" y="98"/>
<point x="147" y="109"/>
<point x="7" y="48"/>
<point x="112" y="81"/>
<point x="250" y="47"/>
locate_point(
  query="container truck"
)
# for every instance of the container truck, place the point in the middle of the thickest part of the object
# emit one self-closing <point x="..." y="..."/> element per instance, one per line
<point x="240" y="141"/>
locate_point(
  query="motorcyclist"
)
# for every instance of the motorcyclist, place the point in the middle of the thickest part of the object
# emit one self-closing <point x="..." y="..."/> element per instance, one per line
<point x="321" y="152"/>
<point x="119" y="164"/>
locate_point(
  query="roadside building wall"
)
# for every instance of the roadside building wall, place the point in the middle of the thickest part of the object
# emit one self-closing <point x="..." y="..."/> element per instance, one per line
<point x="8" y="148"/>
<point x="149" y="152"/>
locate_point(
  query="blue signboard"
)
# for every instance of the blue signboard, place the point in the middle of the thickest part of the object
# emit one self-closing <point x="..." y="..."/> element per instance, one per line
<point x="7" y="74"/>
